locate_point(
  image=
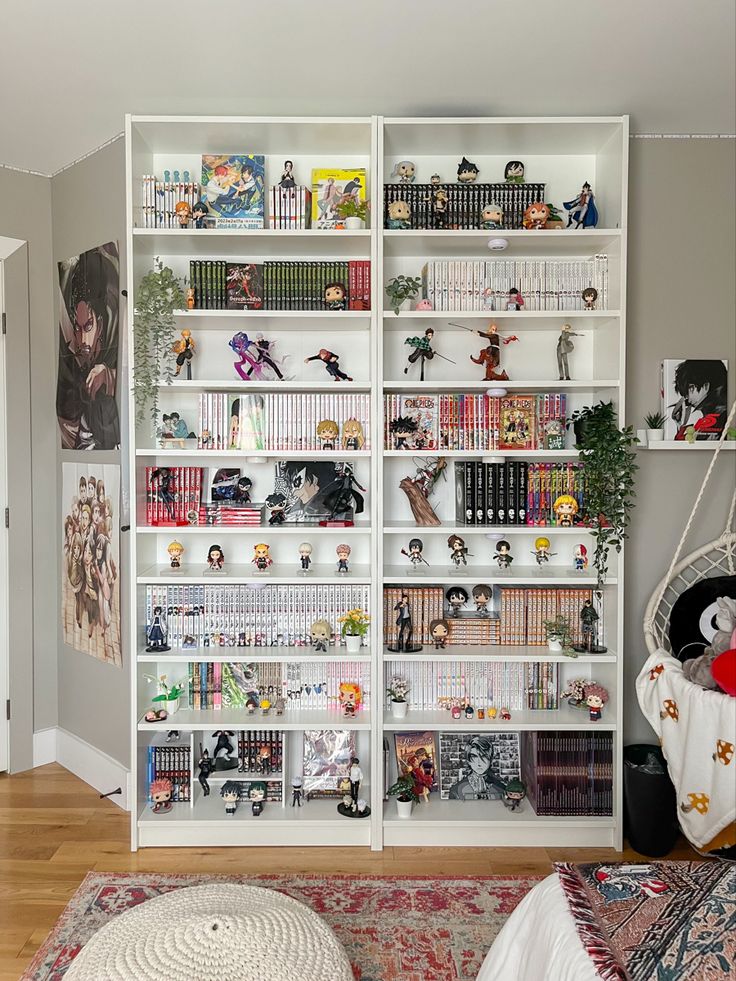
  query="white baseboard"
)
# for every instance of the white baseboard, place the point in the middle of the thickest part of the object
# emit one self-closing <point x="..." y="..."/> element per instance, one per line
<point x="83" y="760"/>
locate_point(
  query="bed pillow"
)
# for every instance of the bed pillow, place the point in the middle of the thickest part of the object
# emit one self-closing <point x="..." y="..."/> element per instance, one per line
<point x="693" y="625"/>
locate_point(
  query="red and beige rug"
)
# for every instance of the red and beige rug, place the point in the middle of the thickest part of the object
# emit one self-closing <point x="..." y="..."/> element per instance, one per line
<point x="393" y="929"/>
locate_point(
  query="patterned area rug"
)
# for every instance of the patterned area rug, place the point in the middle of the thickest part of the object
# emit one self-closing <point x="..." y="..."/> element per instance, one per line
<point x="393" y="929"/>
<point x="673" y="921"/>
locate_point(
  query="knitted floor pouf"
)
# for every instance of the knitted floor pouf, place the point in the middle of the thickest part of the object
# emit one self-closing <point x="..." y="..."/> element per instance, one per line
<point x="215" y="932"/>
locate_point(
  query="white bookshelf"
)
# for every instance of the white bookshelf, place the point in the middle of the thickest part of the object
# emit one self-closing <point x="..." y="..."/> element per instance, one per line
<point x="562" y="152"/>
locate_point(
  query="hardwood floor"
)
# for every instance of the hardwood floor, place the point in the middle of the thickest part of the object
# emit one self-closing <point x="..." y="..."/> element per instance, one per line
<point x="54" y="829"/>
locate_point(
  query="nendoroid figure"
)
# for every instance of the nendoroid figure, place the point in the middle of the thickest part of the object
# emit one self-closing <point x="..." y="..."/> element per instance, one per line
<point x="589" y="297"/>
<point x="352" y="435"/>
<point x="414" y="555"/>
<point x="327" y="434"/>
<point x="439" y="631"/>
<point x="305" y="556"/>
<point x="199" y="214"/>
<point x="542" y="550"/>
<point x="491" y="216"/>
<point x="230" y="793"/>
<point x="467" y="172"/>
<point x="456" y="598"/>
<point x="514" y="299"/>
<point x="183" y="213"/>
<point x="351" y="696"/>
<point x="399" y="215"/>
<point x="262" y="557"/>
<point x="215" y="558"/>
<point x="482" y="596"/>
<point x="320" y="633"/>
<point x="297" y="791"/>
<point x="160" y="793"/>
<point x="184" y="350"/>
<point x="175" y="550"/>
<point x="458" y="551"/>
<point x="404" y="171"/>
<point x="580" y="557"/>
<point x="331" y="362"/>
<point x="335" y="296"/>
<point x="343" y="554"/>
<point x="503" y="554"/>
<point x="565" y="509"/>
<point x="276" y="507"/>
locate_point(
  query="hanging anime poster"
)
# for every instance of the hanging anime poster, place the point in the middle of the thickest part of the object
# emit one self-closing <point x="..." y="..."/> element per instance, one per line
<point x="694" y="403"/>
<point x="90" y="572"/>
<point x="89" y="293"/>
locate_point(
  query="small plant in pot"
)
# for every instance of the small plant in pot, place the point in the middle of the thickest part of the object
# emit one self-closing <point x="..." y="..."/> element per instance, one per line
<point x="400" y="289"/>
<point x="353" y="213"/>
<point x="405" y="792"/>
<point x="354" y="628"/>
<point x="654" y="422"/>
<point x="397" y="691"/>
<point x="559" y="638"/>
<point x="169" y="695"/>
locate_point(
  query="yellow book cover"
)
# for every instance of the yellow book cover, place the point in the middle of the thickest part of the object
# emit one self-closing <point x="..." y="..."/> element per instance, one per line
<point x="331" y="187"/>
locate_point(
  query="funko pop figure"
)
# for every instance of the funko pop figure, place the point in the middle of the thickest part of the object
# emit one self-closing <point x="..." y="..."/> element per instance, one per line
<point x="536" y="215"/>
<point x="467" y="172"/>
<point x="456" y="598"/>
<point x="491" y="216"/>
<point x="404" y="171"/>
<point x="439" y="631"/>
<point x="335" y="294"/>
<point x="482" y="596"/>
<point x="565" y="509"/>
<point x="399" y="215"/>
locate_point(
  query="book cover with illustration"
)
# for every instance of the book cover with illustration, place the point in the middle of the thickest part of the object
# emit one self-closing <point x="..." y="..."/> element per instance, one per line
<point x="331" y="187"/>
<point x="516" y="430"/>
<point x="477" y="766"/>
<point x="244" y="286"/>
<point x="232" y="188"/>
<point x="694" y="401"/>
<point x="418" y="423"/>
<point x="246" y="422"/>
<point x="416" y="753"/>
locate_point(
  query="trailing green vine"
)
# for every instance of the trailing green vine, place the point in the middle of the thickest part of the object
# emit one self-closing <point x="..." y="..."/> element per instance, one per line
<point x="154" y="327"/>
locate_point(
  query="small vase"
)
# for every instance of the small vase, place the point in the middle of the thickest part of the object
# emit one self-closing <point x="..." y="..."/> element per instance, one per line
<point x="404" y="807"/>
<point x="655" y="435"/>
<point x="171" y="705"/>
<point x="354" y="222"/>
<point x="353" y="642"/>
<point x="399" y="709"/>
<point x="554" y="644"/>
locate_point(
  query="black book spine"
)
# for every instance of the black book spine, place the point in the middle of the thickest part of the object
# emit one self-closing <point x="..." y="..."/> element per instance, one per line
<point x="480" y="492"/>
<point x="511" y="492"/>
<point x="501" y="506"/>
<point x="523" y="492"/>
<point x="469" y="492"/>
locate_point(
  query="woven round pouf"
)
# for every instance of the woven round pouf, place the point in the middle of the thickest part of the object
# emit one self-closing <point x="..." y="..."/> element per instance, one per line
<point x="214" y="932"/>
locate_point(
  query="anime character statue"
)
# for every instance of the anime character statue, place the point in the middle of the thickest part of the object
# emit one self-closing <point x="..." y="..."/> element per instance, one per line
<point x="157" y="632"/>
<point x="345" y="495"/>
<point x="414" y="555"/>
<point x="399" y="215"/>
<point x="490" y="356"/>
<point x="264" y="355"/>
<point x="335" y="296"/>
<point x="331" y="362"/>
<point x="565" y="346"/>
<point x="262" y="557"/>
<point x="175" y="550"/>
<point x="580" y="558"/>
<point x="582" y="210"/>
<point x="589" y="297"/>
<point x="503" y="555"/>
<point x="565" y="509"/>
<point x="467" y="172"/>
<point x="199" y="214"/>
<point x="589" y="628"/>
<point x="514" y="172"/>
<point x="160" y="792"/>
<point x="458" y="551"/>
<point x="206" y="766"/>
<point x="343" y="554"/>
<point x="404" y="171"/>
<point x="297" y="791"/>
<point x="482" y="596"/>
<point x="542" y="550"/>
<point x="327" y="432"/>
<point x="439" y="630"/>
<point x="320" y="634"/>
<point x="183" y="213"/>
<point x="191" y="298"/>
<point x="423" y="351"/>
<point x="215" y="558"/>
<point x="456" y="598"/>
<point x="404" y="621"/>
<point x="224" y="750"/>
<point x="491" y="216"/>
<point x="287" y="176"/>
<point x="241" y="344"/>
<point x="536" y="216"/>
<point x="440" y="203"/>
<point x="184" y="350"/>
<point x="305" y="556"/>
<point x="352" y="435"/>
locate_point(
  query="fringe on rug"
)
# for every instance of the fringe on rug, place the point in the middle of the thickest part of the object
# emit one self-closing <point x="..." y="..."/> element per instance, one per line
<point x="589" y="929"/>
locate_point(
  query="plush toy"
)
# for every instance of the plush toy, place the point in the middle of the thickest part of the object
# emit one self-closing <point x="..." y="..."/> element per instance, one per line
<point x="723" y="670"/>
<point x="702" y="670"/>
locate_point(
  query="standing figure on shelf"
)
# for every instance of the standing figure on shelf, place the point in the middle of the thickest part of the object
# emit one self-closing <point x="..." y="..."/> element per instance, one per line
<point x="403" y="429"/>
<point x="206" y="766"/>
<point x="191" y="297"/>
<point x="160" y="792"/>
<point x="276" y="507"/>
<point x="241" y="344"/>
<point x="345" y="495"/>
<point x="157" y="632"/>
<point x="305" y="555"/>
<point x="456" y="598"/>
<point x="404" y="171"/>
<point x="542" y="550"/>
<point x="423" y="351"/>
<point x="589" y="297"/>
<point x="335" y="296"/>
<point x="580" y="557"/>
<point x="331" y="362"/>
<point x="175" y="550"/>
<point x="224" y="749"/>
<point x="482" y="596"/>
<point x="582" y="210"/>
<point x="458" y="550"/>
<point x="589" y="628"/>
<point x="183" y="213"/>
<point x="491" y="216"/>
<point x="352" y="435"/>
<point x="490" y="356"/>
<point x="514" y="172"/>
<point x="199" y="214"/>
<point x="243" y="489"/>
<point x="467" y="172"/>
<point x="513" y="794"/>
<point x="263" y="356"/>
<point x="439" y="631"/>
<point x="399" y="215"/>
<point x="297" y="791"/>
<point x="565" y="346"/>
<point x="595" y="706"/>
<point x="343" y="554"/>
<point x="536" y="216"/>
<point x="503" y="554"/>
<point x="262" y="557"/>
<point x="514" y="299"/>
<point x="404" y="622"/>
<point x="320" y="634"/>
<point x="215" y="558"/>
<point x="327" y="433"/>
<point x="351" y="696"/>
<point x="263" y="760"/>
<point x="184" y="350"/>
<point x="355" y="774"/>
<point x="230" y="793"/>
<point x="565" y="509"/>
<point x="414" y="555"/>
<point x="440" y="202"/>
<point x="287" y="177"/>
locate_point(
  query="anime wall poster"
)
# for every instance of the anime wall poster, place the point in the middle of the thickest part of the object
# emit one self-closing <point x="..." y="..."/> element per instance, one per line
<point x="694" y="398"/>
<point x="89" y="295"/>
<point x="90" y="573"/>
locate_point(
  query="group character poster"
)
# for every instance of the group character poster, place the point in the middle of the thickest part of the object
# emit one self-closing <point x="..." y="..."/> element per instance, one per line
<point x="90" y="574"/>
<point x="89" y="303"/>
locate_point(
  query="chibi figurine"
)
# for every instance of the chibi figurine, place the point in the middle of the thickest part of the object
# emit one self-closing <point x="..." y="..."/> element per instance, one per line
<point x="423" y="351"/>
<point x="467" y="172"/>
<point x="257" y="796"/>
<point x="262" y="557"/>
<point x="503" y="554"/>
<point x="183" y="213"/>
<point x="513" y="794"/>
<point x="331" y="363"/>
<point x="230" y="793"/>
<point x="482" y="596"/>
<point x="160" y="793"/>
<point x="468" y="710"/>
<point x="542" y="550"/>
<point x="191" y="294"/>
<point x="199" y="214"/>
<point x="241" y="345"/>
<point x="264" y="355"/>
<point x="595" y="705"/>
<point x="514" y="299"/>
<point x="580" y="557"/>
<point x="206" y="766"/>
<point x="263" y="760"/>
<point x="536" y="215"/>
<point x="320" y="633"/>
<point x="343" y="554"/>
<point x="224" y="749"/>
<point x="564" y="347"/>
<point x="335" y="296"/>
<point x="403" y="429"/>
<point x="265" y="706"/>
<point x="215" y="558"/>
<point x="582" y="210"/>
<point x="490" y="356"/>
<point x="504" y="715"/>
<point x="276" y="507"/>
<point x="589" y="297"/>
<point x="565" y="509"/>
<point x="175" y="550"/>
<point x="305" y="556"/>
<point x="424" y="306"/>
<point x="242" y="490"/>
<point x="399" y="215"/>
<point x="287" y="176"/>
<point x="404" y="171"/>
<point x="439" y="631"/>
<point x="351" y="696"/>
<point x="184" y="350"/>
<point x="352" y="435"/>
<point x="456" y="598"/>
<point x="414" y="555"/>
<point x="513" y="172"/>
<point x="157" y="632"/>
<point x="327" y="433"/>
<point x="491" y="216"/>
<point x="405" y="623"/>
<point x="456" y="712"/>
<point x="458" y="551"/>
<point x="297" y="792"/>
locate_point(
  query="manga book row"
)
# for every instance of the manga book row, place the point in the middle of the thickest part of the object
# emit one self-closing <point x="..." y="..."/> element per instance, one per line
<point x="515" y="492"/>
<point x="523" y="610"/>
<point x="455" y="285"/>
<point x="465" y="203"/>
<point x="172" y="763"/>
<point x="568" y="773"/>
<point x="174" y="496"/>
<point x="289" y="207"/>
<point x="251" y="741"/>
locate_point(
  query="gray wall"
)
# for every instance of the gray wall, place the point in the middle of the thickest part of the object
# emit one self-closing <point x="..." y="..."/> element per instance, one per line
<point x="88" y="208"/>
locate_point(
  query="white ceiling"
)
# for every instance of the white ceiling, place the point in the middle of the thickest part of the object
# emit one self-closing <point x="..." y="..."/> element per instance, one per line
<point x="70" y="70"/>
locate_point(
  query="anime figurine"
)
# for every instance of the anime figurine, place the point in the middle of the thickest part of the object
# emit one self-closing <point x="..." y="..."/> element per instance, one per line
<point x="424" y="306"/>
<point x="191" y="298"/>
<point x="335" y="296"/>
<point x="157" y="632"/>
<point x="440" y="201"/>
<point x="174" y="427"/>
<point x="225" y="747"/>
<point x="345" y="496"/>
<point x="513" y="794"/>
<point x="352" y="435"/>
<point x="399" y="215"/>
<point x="230" y="793"/>
<point x="589" y="628"/>
<point x="542" y="550"/>
<point x="241" y="344"/>
<point x="262" y="557"/>
<point x="439" y="631"/>
<point x="482" y="596"/>
<point x="405" y="623"/>
<point x="503" y="554"/>
<point x="414" y="555"/>
<point x="257" y="796"/>
<point x="305" y="556"/>
<point x="199" y="214"/>
<point x="355" y="775"/>
<point x="175" y="550"/>
<point x="504" y="715"/>
<point x="327" y="433"/>
<point x="265" y="706"/>
<point x="331" y="363"/>
<point x="160" y="792"/>
<point x="403" y="429"/>
<point x="206" y="766"/>
<point x="536" y="216"/>
<point x="287" y="176"/>
<point x="580" y="557"/>
<point x="589" y="297"/>
<point x="320" y="634"/>
<point x="565" y="509"/>
<point x="582" y="210"/>
<point x="404" y="171"/>
<point x="468" y="710"/>
<point x="490" y="356"/>
<point x="564" y="347"/>
<point x="456" y="598"/>
<point x="278" y="706"/>
<point x="263" y="355"/>
<point x="276" y="507"/>
<point x="263" y="760"/>
<point x="595" y="705"/>
<point x="491" y="216"/>
<point x="514" y="299"/>
<point x="467" y="172"/>
<point x="343" y="554"/>
<point x="184" y="350"/>
<point x="458" y="551"/>
<point x="423" y="351"/>
<point x="215" y="558"/>
<point x="242" y="490"/>
<point x="183" y="213"/>
<point x="297" y="792"/>
<point x="513" y="172"/>
<point x="350" y="696"/>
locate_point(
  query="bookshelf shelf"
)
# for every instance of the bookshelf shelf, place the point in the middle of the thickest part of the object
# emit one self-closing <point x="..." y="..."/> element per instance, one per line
<point x="498" y="652"/>
<point x="231" y="385"/>
<point x="337" y="315"/>
<point x="517" y="576"/>
<point x="583" y="384"/>
<point x="206" y="720"/>
<point x="518" y="315"/>
<point x="671" y="444"/>
<point x="278" y="575"/>
<point x="522" y="720"/>
<point x="205" y="455"/>
<point x="553" y="242"/>
<point x="409" y="528"/>
<point x="269" y="530"/>
<point x="476" y="454"/>
<point x="261" y="655"/>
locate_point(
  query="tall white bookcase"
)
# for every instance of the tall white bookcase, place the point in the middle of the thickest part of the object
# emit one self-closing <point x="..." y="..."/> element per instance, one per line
<point x="562" y="152"/>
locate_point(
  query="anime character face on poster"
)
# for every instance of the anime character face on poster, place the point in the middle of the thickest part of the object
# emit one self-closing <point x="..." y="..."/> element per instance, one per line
<point x="89" y="288"/>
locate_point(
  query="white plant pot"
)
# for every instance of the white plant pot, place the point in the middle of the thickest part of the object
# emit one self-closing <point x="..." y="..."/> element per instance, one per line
<point x="171" y="705"/>
<point x="554" y="644"/>
<point x="404" y="807"/>
<point x="655" y="435"/>
<point x="354" y="222"/>
<point x="399" y="709"/>
<point x="353" y="642"/>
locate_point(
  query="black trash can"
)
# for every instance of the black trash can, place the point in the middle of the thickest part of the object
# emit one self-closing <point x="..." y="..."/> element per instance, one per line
<point x="650" y="803"/>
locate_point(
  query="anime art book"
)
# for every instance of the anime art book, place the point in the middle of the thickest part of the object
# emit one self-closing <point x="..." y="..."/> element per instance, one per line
<point x="233" y="189"/>
<point x="331" y="188"/>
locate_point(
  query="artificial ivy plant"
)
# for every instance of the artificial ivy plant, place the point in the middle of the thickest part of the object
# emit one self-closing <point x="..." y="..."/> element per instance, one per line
<point x="159" y="294"/>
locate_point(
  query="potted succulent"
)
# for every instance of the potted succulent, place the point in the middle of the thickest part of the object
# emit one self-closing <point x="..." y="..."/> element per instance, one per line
<point x="354" y="628"/>
<point x="159" y="293"/>
<point x="654" y="422"/>
<point x="559" y="639"/>
<point x="400" y="289"/>
<point x="168" y="696"/>
<point x="405" y="793"/>
<point x="353" y="213"/>
<point x="397" y="691"/>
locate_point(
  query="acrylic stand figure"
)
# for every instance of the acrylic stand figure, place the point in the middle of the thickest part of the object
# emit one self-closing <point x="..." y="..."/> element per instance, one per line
<point x="404" y="641"/>
<point x="297" y="792"/>
<point x="458" y="551"/>
<point x="331" y="362"/>
<point x="582" y="210"/>
<point x="414" y="555"/>
<point x="240" y="343"/>
<point x="564" y="347"/>
<point x="157" y="632"/>
<point x="456" y="598"/>
<point x="503" y="554"/>
<point x="263" y="356"/>
<point x="184" y="350"/>
<point x="206" y="766"/>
